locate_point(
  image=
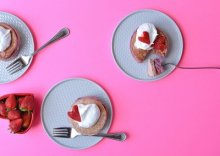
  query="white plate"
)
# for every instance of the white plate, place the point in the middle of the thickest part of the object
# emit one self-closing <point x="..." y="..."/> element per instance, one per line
<point x="121" y="43"/>
<point x="59" y="100"/>
<point x="27" y="46"/>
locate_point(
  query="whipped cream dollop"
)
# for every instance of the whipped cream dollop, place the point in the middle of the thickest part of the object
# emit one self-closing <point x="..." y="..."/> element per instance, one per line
<point x="89" y="114"/>
<point x="5" y="39"/>
<point x="152" y="31"/>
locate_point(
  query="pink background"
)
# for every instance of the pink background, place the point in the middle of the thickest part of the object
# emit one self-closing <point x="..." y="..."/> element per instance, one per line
<point x="176" y="116"/>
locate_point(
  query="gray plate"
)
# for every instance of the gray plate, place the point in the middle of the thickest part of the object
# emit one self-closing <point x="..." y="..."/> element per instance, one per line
<point x="27" y="46"/>
<point x="121" y="43"/>
<point x="60" y="99"/>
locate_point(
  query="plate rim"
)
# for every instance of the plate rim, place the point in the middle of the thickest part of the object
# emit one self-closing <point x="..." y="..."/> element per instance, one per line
<point x="32" y="40"/>
<point x="55" y="85"/>
<point x="113" y="37"/>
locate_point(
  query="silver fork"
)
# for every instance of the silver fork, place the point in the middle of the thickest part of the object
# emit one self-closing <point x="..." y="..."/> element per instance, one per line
<point x="196" y="67"/>
<point x="69" y="132"/>
<point x="24" y="60"/>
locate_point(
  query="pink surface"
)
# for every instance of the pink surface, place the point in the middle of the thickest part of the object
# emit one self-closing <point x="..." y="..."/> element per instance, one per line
<point x="176" y="116"/>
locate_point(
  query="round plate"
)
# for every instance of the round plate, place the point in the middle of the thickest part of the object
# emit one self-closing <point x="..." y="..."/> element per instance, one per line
<point x="59" y="100"/>
<point x="26" y="48"/>
<point x="121" y="43"/>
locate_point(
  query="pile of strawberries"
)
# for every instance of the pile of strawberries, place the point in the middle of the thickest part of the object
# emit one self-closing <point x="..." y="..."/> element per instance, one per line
<point x="18" y="109"/>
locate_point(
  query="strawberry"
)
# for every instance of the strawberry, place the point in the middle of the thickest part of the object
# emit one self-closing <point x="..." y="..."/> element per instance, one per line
<point x="74" y="114"/>
<point x="3" y="111"/>
<point x="15" y="125"/>
<point x="10" y="102"/>
<point x="27" y="104"/>
<point x="145" y="38"/>
<point x="26" y="119"/>
<point x="161" y="47"/>
<point x="20" y="99"/>
<point x="160" y="43"/>
<point x="160" y="39"/>
<point x="14" y="114"/>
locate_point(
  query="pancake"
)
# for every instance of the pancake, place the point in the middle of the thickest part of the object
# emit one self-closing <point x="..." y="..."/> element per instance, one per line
<point x="160" y="47"/>
<point x="99" y="124"/>
<point x="139" y="54"/>
<point x="15" y="43"/>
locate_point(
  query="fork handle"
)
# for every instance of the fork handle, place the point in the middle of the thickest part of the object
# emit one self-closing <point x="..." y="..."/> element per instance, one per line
<point x="204" y="67"/>
<point x="114" y="136"/>
<point x="61" y="34"/>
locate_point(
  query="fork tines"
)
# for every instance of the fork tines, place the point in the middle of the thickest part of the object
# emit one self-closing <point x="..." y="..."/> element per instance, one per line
<point x="14" y="66"/>
<point x="63" y="132"/>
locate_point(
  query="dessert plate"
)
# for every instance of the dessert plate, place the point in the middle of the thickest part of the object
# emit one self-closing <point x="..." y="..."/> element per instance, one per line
<point x="121" y="43"/>
<point x="26" y="48"/>
<point x="59" y="100"/>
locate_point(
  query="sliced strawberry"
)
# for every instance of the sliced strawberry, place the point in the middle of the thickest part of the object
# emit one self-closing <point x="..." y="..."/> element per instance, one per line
<point x="160" y="43"/>
<point x="26" y="119"/>
<point x="161" y="47"/>
<point x="15" y="125"/>
<point x="14" y="114"/>
<point x="3" y="111"/>
<point x="27" y="104"/>
<point x="74" y="114"/>
<point x="160" y="39"/>
<point x="10" y="102"/>
<point x="145" y="38"/>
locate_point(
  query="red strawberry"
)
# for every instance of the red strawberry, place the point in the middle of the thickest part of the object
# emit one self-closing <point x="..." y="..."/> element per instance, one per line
<point x="161" y="47"/>
<point x="14" y="114"/>
<point x="27" y="104"/>
<point x="26" y="119"/>
<point x="20" y="99"/>
<point x="145" y="38"/>
<point x="15" y="125"/>
<point x="10" y="102"/>
<point x="159" y="43"/>
<point x="3" y="111"/>
<point x="75" y="114"/>
<point x="160" y="39"/>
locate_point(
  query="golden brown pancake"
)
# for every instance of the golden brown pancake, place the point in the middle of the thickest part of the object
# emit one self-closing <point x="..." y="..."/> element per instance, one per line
<point x="99" y="124"/>
<point x="15" y="42"/>
<point x="139" y="54"/>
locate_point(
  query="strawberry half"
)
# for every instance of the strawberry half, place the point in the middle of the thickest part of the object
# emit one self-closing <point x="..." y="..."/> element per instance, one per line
<point x="145" y="38"/>
<point x="160" y="43"/>
<point x="74" y="114"/>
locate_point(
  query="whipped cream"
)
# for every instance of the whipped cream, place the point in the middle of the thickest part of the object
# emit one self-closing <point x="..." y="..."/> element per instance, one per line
<point x="152" y="31"/>
<point x="5" y="39"/>
<point x="89" y="114"/>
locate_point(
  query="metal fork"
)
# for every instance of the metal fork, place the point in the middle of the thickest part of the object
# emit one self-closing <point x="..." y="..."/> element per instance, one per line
<point x="199" y="67"/>
<point x="69" y="132"/>
<point x="24" y="60"/>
